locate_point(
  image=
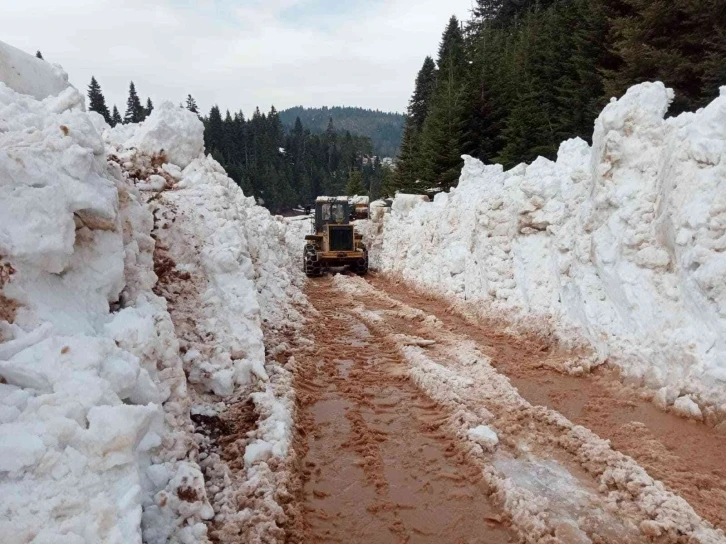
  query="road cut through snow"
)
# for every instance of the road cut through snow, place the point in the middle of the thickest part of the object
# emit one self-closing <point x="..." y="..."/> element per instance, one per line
<point x="554" y="480"/>
<point x="378" y="464"/>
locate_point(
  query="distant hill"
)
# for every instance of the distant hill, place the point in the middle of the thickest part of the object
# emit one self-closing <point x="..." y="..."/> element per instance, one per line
<point x="384" y="129"/>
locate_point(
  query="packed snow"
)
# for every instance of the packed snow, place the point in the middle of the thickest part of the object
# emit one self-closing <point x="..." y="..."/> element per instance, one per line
<point x="26" y="74"/>
<point x="618" y="247"/>
<point x="96" y="440"/>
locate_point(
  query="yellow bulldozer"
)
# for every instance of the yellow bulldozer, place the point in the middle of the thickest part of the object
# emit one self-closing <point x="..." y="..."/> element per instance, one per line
<point x="333" y="241"/>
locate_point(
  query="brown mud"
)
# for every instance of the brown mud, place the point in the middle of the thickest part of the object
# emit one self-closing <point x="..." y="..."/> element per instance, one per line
<point x="687" y="456"/>
<point x="377" y="463"/>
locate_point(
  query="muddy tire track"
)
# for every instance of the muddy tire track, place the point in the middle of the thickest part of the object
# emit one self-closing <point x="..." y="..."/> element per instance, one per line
<point x="378" y="462"/>
<point x="558" y="481"/>
<point x="685" y="455"/>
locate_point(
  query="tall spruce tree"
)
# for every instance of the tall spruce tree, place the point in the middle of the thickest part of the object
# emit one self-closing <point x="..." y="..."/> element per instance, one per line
<point x="96" y="100"/>
<point x="149" y="107"/>
<point x="420" y="102"/>
<point x="135" y="112"/>
<point x="115" y="117"/>
<point x="408" y="169"/>
<point x="441" y="137"/>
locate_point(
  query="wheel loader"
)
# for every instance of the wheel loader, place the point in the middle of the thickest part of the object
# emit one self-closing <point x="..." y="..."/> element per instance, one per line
<point x="333" y="241"/>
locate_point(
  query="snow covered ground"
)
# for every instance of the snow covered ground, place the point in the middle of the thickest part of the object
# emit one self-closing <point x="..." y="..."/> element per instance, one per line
<point x="96" y="439"/>
<point x="618" y="248"/>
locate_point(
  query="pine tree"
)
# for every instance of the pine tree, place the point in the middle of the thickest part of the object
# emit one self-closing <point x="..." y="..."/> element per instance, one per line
<point x="673" y="41"/>
<point x="440" y="146"/>
<point x="418" y="107"/>
<point x="39" y="55"/>
<point x="214" y="133"/>
<point x="116" y="117"/>
<point x="192" y="104"/>
<point x="355" y="184"/>
<point x="405" y="176"/>
<point x="135" y="112"/>
<point x="96" y="100"/>
<point x="149" y="107"/>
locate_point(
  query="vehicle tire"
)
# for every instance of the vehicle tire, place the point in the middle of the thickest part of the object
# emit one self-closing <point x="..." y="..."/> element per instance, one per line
<point x="311" y="263"/>
<point x="360" y="267"/>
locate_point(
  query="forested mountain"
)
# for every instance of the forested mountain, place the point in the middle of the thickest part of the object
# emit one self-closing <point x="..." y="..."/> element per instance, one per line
<point x="523" y="75"/>
<point x="384" y="129"/>
<point x="284" y="169"/>
<point x="280" y="168"/>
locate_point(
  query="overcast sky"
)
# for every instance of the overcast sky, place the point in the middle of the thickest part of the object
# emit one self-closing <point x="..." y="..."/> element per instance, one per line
<point x="237" y="53"/>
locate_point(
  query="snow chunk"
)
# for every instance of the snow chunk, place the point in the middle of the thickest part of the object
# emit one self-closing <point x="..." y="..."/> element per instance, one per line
<point x="685" y="407"/>
<point x="485" y="436"/>
<point x="175" y="131"/>
<point x="26" y="74"/>
<point x="18" y="447"/>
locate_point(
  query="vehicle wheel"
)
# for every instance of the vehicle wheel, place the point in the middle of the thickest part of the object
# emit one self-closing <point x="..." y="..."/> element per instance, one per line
<point x="360" y="267"/>
<point x="311" y="263"/>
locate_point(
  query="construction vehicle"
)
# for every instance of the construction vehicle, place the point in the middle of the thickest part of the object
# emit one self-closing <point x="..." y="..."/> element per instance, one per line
<point x="333" y="241"/>
<point x="359" y="207"/>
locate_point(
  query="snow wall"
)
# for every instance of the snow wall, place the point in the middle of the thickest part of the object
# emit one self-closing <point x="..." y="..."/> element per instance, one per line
<point x="96" y="441"/>
<point x="620" y="247"/>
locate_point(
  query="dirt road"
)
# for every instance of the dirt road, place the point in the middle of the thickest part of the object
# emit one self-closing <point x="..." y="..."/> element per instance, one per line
<point x="399" y="399"/>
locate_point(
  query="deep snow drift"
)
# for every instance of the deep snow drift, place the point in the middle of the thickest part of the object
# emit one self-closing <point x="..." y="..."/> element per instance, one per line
<point x="619" y="247"/>
<point x="96" y="440"/>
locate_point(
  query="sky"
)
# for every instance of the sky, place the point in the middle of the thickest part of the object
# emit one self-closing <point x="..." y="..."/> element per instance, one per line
<point x="237" y="54"/>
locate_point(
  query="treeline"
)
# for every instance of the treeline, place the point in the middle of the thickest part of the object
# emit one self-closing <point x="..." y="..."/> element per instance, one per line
<point x="383" y="128"/>
<point x="523" y="75"/>
<point x="135" y="111"/>
<point x="284" y="169"/>
<point x="281" y="169"/>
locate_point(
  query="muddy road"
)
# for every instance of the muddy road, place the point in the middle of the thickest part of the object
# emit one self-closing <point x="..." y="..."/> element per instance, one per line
<point x="417" y="424"/>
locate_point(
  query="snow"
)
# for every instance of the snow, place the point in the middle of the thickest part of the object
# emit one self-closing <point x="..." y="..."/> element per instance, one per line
<point x="616" y="248"/>
<point x="484" y="435"/>
<point x="26" y="74"/>
<point x="96" y="440"/>
<point x="174" y="131"/>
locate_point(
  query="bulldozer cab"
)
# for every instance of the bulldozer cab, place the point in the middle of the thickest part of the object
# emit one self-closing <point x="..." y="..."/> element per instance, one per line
<point x="335" y="212"/>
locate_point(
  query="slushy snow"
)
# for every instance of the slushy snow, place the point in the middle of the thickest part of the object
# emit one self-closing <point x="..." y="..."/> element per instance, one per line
<point x="618" y="248"/>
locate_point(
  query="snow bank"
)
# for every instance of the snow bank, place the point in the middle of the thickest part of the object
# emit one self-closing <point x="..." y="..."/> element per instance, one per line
<point x="230" y="284"/>
<point x="26" y="74"/>
<point x="619" y="247"/>
<point x="94" y="420"/>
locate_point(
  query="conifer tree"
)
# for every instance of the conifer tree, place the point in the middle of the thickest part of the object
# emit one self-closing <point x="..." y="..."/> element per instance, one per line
<point x="192" y="104"/>
<point x="440" y="145"/>
<point x="39" y="55"/>
<point x="673" y="41"/>
<point x="214" y="133"/>
<point x="355" y="184"/>
<point x="135" y="112"/>
<point x="116" y="117"/>
<point x="418" y="107"/>
<point x="149" y="107"/>
<point x="96" y="100"/>
<point x="405" y="176"/>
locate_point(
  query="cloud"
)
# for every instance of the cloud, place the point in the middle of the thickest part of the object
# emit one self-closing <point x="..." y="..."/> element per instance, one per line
<point x="238" y="54"/>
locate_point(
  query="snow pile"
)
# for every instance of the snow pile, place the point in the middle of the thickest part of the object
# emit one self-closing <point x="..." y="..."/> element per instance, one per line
<point x="619" y="247"/>
<point x="175" y="133"/>
<point x="94" y="419"/>
<point x="226" y="273"/>
<point x="29" y="75"/>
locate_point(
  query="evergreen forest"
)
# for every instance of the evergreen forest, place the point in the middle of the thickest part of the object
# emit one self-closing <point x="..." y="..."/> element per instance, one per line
<point x="521" y="76"/>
